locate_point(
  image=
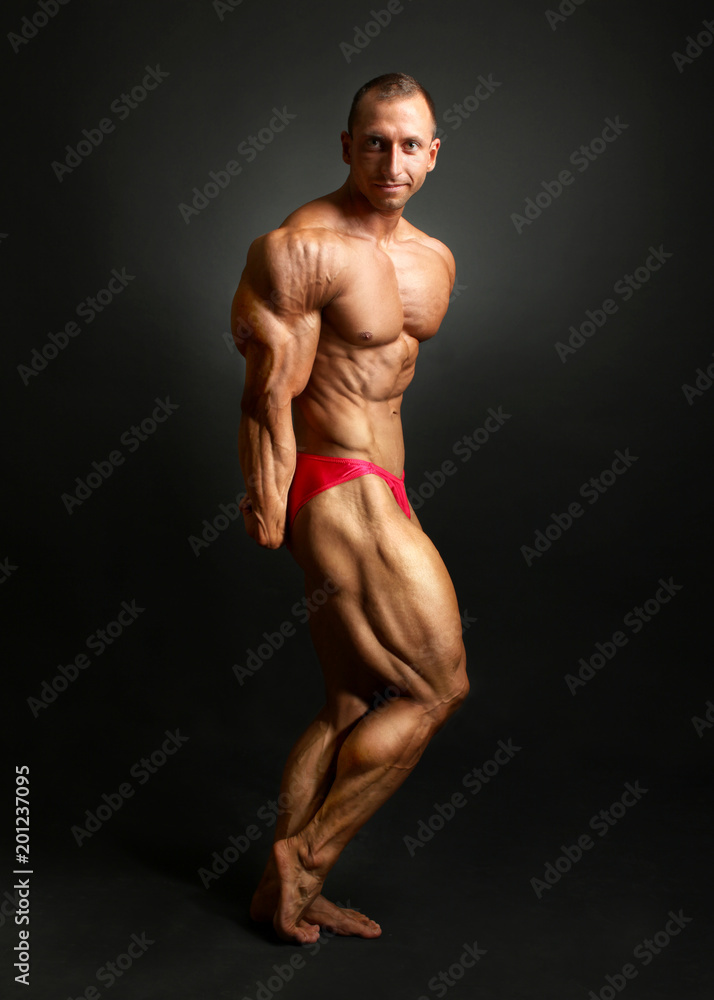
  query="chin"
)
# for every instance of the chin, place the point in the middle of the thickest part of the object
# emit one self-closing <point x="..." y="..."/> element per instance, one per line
<point x="392" y="200"/>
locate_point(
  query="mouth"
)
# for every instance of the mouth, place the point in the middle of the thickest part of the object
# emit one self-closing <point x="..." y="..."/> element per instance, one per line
<point x="389" y="187"/>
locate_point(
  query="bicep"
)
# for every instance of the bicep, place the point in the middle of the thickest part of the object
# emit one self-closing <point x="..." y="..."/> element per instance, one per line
<point x="289" y="277"/>
<point x="279" y="347"/>
<point x="279" y="360"/>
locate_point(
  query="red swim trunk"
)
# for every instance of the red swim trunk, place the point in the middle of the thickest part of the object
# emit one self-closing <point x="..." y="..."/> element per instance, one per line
<point x="316" y="473"/>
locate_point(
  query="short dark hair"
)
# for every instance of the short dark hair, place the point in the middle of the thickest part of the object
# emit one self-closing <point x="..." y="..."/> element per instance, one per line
<point x="391" y="87"/>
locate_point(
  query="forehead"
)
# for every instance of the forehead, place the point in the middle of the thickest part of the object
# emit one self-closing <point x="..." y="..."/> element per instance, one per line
<point x="402" y="115"/>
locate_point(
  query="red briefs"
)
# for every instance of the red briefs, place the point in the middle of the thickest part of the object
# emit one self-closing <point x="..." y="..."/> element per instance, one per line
<point x="315" y="473"/>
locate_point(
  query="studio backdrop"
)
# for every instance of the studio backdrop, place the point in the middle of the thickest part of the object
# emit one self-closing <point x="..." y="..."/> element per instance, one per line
<point x="558" y="436"/>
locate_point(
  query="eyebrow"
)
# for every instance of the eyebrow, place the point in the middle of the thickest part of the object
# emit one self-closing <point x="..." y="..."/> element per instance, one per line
<point x="379" y="135"/>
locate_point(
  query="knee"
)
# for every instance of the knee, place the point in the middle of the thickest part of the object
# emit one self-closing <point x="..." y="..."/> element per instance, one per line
<point x="459" y="689"/>
<point x="342" y="712"/>
<point x="451" y="696"/>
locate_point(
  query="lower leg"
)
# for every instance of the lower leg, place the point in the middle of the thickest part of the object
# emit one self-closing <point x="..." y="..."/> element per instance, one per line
<point x="308" y="772"/>
<point x="307" y="776"/>
<point x="373" y="761"/>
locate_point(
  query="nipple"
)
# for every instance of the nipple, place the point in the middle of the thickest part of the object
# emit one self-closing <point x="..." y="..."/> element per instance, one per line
<point x="366" y="335"/>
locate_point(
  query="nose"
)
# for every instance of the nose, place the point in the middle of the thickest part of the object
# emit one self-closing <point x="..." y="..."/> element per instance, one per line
<point x="392" y="165"/>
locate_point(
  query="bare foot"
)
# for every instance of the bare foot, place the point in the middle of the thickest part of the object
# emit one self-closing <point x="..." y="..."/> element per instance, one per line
<point x="299" y="888"/>
<point x="338" y="919"/>
<point x="341" y="920"/>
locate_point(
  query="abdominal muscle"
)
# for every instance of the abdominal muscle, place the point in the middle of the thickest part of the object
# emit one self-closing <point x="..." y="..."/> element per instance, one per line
<point x="351" y="406"/>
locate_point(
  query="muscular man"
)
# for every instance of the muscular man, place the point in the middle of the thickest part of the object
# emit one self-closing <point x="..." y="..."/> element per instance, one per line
<point x="329" y="314"/>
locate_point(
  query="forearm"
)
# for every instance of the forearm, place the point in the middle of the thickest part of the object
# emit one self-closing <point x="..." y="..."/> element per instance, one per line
<point x="266" y="451"/>
<point x="285" y="285"/>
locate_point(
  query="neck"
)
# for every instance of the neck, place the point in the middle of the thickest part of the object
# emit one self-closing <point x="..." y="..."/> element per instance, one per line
<point x="370" y="221"/>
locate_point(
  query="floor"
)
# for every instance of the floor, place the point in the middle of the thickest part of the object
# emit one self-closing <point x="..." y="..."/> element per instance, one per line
<point x="559" y="877"/>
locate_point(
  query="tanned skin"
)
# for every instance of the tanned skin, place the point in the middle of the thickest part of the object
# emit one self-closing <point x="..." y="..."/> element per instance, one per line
<point x="329" y="315"/>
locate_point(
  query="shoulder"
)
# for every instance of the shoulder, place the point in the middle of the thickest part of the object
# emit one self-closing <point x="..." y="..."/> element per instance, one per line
<point x="321" y="213"/>
<point x="303" y="262"/>
<point x="290" y="241"/>
<point x="304" y="236"/>
<point x="445" y="253"/>
<point x="433" y="245"/>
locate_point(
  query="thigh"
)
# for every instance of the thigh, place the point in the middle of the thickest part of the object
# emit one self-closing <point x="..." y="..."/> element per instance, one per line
<point x="393" y="617"/>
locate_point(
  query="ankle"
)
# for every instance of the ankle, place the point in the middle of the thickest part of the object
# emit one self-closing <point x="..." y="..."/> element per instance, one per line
<point x="312" y="857"/>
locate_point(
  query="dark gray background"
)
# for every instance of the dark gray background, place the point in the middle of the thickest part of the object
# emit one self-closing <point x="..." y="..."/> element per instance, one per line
<point x="517" y="296"/>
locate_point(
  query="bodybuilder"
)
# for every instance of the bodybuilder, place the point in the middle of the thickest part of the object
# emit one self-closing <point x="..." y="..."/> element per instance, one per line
<point x="329" y="314"/>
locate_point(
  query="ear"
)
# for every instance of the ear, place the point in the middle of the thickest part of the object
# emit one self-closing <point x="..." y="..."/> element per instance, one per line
<point x="346" y="139"/>
<point x="433" y="150"/>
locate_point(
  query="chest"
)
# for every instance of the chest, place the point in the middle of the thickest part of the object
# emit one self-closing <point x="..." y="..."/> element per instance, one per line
<point x="406" y="290"/>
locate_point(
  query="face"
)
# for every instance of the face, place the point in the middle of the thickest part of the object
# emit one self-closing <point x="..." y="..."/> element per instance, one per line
<point x="391" y="150"/>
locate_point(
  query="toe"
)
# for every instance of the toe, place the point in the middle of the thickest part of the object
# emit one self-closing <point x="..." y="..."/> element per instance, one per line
<point x="307" y="933"/>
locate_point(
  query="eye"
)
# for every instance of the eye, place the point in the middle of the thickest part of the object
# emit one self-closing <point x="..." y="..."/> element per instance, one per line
<point x="412" y="144"/>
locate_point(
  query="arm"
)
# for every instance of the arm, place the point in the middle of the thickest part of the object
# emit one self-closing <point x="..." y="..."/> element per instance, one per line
<point x="448" y="257"/>
<point x="289" y="277"/>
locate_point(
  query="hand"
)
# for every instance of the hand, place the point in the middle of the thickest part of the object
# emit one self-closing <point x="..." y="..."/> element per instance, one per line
<point x="256" y="527"/>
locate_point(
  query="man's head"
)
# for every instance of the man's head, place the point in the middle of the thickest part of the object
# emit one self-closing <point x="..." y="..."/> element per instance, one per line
<point x="391" y="141"/>
<point x="391" y="87"/>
